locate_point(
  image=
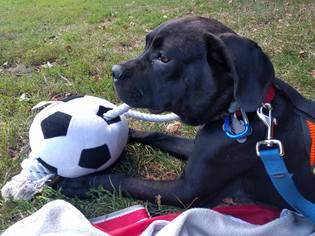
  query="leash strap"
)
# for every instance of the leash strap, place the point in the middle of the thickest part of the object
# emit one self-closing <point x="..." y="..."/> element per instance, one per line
<point x="282" y="180"/>
<point x="272" y="158"/>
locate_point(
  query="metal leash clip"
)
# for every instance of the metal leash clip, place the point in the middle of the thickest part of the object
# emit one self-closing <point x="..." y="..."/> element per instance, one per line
<point x="269" y="122"/>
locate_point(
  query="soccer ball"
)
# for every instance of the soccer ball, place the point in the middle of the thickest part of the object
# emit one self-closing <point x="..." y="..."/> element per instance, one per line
<point x="72" y="139"/>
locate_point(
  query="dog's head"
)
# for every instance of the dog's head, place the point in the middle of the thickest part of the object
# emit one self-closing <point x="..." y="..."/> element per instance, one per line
<point x="194" y="67"/>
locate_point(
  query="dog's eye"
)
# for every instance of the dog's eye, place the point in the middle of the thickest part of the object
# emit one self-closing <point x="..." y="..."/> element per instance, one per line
<point x="164" y="59"/>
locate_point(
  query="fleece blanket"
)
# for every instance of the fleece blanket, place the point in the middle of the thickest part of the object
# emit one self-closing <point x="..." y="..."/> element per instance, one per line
<point x="134" y="220"/>
<point x="61" y="218"/>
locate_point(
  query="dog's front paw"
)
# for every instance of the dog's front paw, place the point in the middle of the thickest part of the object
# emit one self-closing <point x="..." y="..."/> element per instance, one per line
<point x="72" y="187"/>
<point x="136" y="135"/>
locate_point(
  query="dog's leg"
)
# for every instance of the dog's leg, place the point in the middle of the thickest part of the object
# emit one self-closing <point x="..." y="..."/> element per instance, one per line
<point x="201" y="182"/>
<point x="176" y="192"/>
<point x="176" y="146"/>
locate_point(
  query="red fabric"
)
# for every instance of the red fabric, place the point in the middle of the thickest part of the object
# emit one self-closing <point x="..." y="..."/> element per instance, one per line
<point x="253" y="214"/>
<point x="271" y="93"/>
<point x="136" y="228"/>
<point x="121" y="220"/>
<point x="136" y="221"/>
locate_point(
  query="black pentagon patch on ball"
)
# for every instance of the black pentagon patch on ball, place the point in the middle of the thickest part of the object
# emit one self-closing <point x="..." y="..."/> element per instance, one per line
<point x="55" y="125"/>
<point x="94" y="157"/>
<point x="49" y="167"/>
<point x="102" y="110"/>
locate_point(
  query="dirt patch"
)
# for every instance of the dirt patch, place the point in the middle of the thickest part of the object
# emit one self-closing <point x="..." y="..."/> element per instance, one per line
<point x="18" y="69"/>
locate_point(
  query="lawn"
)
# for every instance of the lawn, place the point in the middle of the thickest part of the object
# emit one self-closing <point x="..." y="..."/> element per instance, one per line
<point x="51" y="49"/>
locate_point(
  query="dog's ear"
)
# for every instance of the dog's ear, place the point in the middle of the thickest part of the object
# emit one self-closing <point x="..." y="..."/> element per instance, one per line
<point x="249" y="67"/>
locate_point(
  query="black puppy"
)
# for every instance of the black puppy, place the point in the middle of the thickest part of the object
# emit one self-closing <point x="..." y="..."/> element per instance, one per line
<point x="196" y="68"/>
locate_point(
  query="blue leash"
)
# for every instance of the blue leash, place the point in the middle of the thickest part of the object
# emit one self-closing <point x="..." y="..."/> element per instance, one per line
<point x="272" y="159"/>
<point x="282" y="180"/>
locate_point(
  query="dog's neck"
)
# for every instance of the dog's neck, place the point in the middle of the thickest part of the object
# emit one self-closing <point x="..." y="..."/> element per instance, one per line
<point x="236" y="124"/>
<point x="269" y="96"/>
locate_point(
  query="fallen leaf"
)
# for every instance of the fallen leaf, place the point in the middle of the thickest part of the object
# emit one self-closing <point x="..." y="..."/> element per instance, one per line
<point x="302" y="53"/>
<point x="12" y="153"/>
<point x="60" y="96"/>
<point x="68" y="48"/>
<point x="173" y="127"/>
<point x="105" y="24"/>
<point x="97" y="77"/>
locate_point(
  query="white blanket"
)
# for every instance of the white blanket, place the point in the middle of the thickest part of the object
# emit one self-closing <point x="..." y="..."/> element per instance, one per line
<point x="56" y="218"/>
<point x="199" y="221"/>
<point x="59" y="218"/>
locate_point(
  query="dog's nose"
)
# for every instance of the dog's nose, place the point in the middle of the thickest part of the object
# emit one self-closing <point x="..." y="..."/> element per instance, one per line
<point x="117" y="72"/>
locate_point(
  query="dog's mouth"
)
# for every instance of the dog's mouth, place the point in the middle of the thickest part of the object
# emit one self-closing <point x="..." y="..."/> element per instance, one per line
<point x="136" y="98"/>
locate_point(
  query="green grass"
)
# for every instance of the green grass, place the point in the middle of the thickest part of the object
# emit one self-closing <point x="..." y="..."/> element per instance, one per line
<point x="83" y="39"/>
